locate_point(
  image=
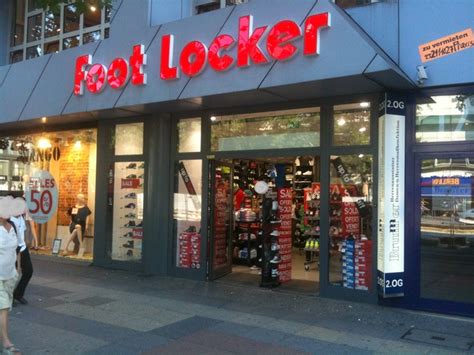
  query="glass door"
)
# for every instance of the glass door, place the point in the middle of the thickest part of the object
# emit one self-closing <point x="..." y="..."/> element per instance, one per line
<point x="445" y="225"/>
<point x="220" y="226"/>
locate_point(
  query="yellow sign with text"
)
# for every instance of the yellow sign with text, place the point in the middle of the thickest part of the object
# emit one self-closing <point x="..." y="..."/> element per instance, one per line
<point x="447" y="45"/>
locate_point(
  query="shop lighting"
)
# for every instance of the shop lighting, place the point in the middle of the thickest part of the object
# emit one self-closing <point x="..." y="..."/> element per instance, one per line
<point x="44" y="119"/>
<point x="341" y="122"/>
<point x="93" y="8"/>
<point x="361" y="156"/>
<point x="44" y="143"/>
<point x="364" y="104"/>
<point x="78" y="145"/>
<point x="213" y="118"/>
<point x="362" y="129"/>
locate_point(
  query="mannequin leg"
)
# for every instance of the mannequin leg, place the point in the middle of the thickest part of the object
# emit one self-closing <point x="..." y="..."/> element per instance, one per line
<point x="70" y="239"/>
<point x="80" y="237"/>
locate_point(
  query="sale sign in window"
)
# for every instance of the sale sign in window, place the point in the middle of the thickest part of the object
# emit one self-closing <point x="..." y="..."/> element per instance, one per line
<point x="41" y="196"/>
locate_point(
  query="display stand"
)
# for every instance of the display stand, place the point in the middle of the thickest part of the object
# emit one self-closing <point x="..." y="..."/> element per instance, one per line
<point x="249" y="244"/>
<point x="270" y="258"/>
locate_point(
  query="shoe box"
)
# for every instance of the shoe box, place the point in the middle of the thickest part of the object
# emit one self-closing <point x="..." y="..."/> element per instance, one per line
<point x="363" y="264"/>
<point x="189" y="250"/>
<point x="348" y="264"/>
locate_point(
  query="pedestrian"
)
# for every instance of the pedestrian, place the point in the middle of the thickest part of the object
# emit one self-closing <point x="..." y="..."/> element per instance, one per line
<point x="8" y="273"/>
<point x="26" y="265"/>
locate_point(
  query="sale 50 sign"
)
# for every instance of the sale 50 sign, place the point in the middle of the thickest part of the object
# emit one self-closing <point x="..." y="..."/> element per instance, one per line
<point x="41" y="196"/>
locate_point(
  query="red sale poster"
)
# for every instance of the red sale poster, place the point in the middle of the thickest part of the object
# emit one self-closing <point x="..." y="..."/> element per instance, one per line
<point x="284" y="240"/>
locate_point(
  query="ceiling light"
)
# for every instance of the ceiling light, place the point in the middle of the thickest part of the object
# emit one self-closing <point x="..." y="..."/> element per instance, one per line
<point x="44" y="119"/>
<point x="362" y="129"/>
<point x="93" y="8"/>
<point x="44" y="143"/>
<point x="341" y="122"/>
<point x="213" y="118"/>
<point x="78" y="145"/>
<point x="361" y="155"/>
<point x="365" y="104"/>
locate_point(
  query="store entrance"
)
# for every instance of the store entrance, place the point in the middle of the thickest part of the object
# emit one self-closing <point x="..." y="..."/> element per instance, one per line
<point x="265" y="222"/>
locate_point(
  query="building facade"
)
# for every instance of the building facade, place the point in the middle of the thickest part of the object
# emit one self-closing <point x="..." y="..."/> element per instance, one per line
<point x="318" y="146"/>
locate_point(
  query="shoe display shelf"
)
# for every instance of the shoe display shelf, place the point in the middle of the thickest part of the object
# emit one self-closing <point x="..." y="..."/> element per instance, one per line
<point x="303" y="177"/>
<point x="311" y="226"/>
<point x="245" y="242"/>
<point x="270" y="258"/>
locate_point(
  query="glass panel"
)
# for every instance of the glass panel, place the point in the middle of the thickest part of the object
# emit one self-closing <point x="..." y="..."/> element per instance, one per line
<point x="52" y="24"/>
<point x="16" y="56"/>
<point x="34" y="28"/>
<point x="4" y="173"/>
<point x="446" y="119"/>
<point x="92" y="15"/>
<point x="268" y="130"/>
<point x="107" y="33"/>
<point x="129" y="139"/>
<point x="222" y="226"/>
<point x="71" y="18"/>
<point x="350" y="218"/>
<point x="51" y="47"/>
<point x="447" y="229"/>
<point x="71" y="42"/>
<point x="108" y="14"/>
<point x="189" y="133"/>
<point x="128" y="205"/>
<point x="352" y="124"/>
<point x="90" y="37"/>
<point x="33" y="52"/>
<point x="18" y="23"/>
<point x="187" y="213"/>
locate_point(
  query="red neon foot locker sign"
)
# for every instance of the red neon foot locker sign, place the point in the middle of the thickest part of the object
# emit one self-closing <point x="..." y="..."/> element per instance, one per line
<point x="254" y="46"/>
<point x="96" y="76"/>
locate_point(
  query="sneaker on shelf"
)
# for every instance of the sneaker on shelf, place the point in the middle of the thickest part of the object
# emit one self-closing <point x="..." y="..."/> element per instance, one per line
<point x="275" y="273"/>
<point x="191" y="229"/>
<point x="140" y="225"/>
<point x="131" y="166"/>
<point x="312" y="244"/>
<point x="131" y="195"/>
<point x="274" y="219"/>
<point x="129" y="252"/>
<point x="276" y="259"/>
<point x="131" y="205"/>
<point x="128" y="235"/>
<point x="275" y="247"/>
<point x="298" y="173"/>
<point x="308" y="244"/>
<point x="142" y="176"/>
<point x="130" y="215"/>
<point x="142" y="166"/>
<point x="130" y="224"/>
<point x="275" y="233"/>
<point x="128" y="244"/>
<point x="307" y="173"/>
<point x="131" y="176"/>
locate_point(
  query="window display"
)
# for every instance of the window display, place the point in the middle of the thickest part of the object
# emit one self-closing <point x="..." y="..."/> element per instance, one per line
<point x="70" y="157"/>
<point x="187" y="213"/>
<point x="128" y="207"/>
<point x="189" y="135"/>
<point x="350" y="219"/>
<point x="129" y="139"/>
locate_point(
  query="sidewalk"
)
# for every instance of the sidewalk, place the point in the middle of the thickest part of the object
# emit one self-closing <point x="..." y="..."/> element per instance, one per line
<point x="77" y="309"/>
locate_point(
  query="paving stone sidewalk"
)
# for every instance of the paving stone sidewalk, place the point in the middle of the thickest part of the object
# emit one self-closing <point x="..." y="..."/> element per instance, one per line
<point x="79" y="309"/>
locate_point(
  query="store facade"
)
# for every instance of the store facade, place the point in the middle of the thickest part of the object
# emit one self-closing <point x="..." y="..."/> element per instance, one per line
<point x="351" y="140"/>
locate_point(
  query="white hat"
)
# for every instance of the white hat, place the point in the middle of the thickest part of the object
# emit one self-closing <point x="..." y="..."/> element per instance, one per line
<point x="10" y="206"/>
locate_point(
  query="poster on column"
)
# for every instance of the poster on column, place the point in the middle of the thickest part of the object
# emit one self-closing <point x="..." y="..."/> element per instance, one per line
<point x="391" y="187"/>
<point x="284" y="240"/>
<point x="41" y="195"/>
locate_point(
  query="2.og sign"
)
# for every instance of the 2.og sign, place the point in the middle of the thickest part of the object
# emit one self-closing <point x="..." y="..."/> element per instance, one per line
<point x="41" y="195"/>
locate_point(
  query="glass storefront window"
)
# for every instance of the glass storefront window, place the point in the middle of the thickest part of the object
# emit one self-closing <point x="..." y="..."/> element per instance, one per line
<point x="71" y="42"/>
<point x="187" y="213"/>
<point x="350" y="218"/>
<point x="446" y="228"/>
<point x="90" y="37"/>
<point x="267" y="130"/>
<point x="128" y="210"/>
<point x="33" y="52"/>
<point x="352" y="124"/>
<point x="71" y="18"/>
<point x="446" y="119"/>
<point x="51" y="47"/>
<point x="189" y="135"/>
<point x="18" y="23"/>
<point x="129" y="139"/>
<point x="34" y="28"/>
<point x="16" y="56"/>
<point x="70" y="157"/>
<point x="92" y="15"/>
<point x="52" y="24"/>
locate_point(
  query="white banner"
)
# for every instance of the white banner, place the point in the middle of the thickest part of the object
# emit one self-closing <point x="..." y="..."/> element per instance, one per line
<point x="41" y="196"/>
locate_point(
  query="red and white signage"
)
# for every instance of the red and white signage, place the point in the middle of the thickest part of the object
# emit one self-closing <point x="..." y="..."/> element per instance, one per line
<point x="41" y="196"/>
<point x="195" y="55"/>
<point x="284" y="240"/>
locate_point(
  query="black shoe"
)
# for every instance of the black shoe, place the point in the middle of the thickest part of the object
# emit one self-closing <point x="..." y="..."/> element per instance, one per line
<point x="131" y="176"/>
<point x="131" y="166"/>
<point x="140" y="224"/>
<point x="128" y="235"/>
<point x="131" y="195"/>
<point x="142" y="166"/>
<point x="21" y="300"/>
<point x="128" y="244"/>
<point x="130" y="224"/>
<point x="130" y="215"/>
<point x="129" y="252"/>
<point x="131" y="205"/>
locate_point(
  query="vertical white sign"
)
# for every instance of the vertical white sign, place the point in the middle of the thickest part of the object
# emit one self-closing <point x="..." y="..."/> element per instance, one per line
<point x="391" y="206"/>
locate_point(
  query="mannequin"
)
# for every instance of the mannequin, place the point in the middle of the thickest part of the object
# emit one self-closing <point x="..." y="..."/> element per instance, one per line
<point x="77" y="228"/>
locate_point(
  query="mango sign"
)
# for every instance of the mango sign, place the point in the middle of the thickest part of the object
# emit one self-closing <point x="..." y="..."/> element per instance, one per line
<point x="447" y="45"/>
